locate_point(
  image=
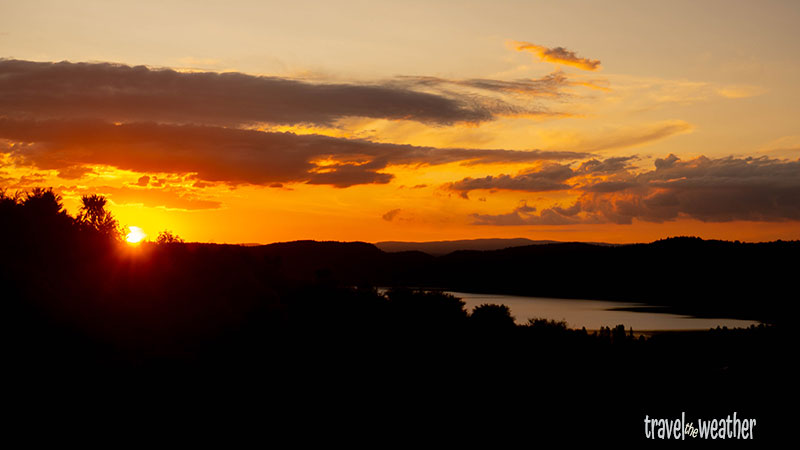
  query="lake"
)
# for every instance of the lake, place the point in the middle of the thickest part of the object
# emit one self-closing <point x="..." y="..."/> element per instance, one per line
<point x="593" y="314"/>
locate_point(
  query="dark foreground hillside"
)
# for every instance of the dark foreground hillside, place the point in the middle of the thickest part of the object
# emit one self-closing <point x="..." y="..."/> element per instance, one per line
<point x="296" y="332"/>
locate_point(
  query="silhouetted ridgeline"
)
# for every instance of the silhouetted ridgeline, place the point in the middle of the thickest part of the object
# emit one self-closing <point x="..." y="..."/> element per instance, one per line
<point x="304" y="321"/>
<point x="690" y="275"/>
<point x="438" y="248"/>
<point x="695" y="276"/>
<point x="713" y="278"/>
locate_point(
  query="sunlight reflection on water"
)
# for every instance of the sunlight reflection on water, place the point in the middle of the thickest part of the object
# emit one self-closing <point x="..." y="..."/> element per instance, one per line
<point x="593" y="314"/>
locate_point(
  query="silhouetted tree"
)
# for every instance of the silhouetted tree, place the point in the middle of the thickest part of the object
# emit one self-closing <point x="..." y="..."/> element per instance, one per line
<point x="35" y="217"/>
<point x="431" y="309"/>
<point x="93" y="216"/>
<point x="618" y="333"/>
<point x="547" y="324"/>
<point x="9" y="203"/>
<point x="167" y="237"/>
<point x="43" y="202"/>
<point x="492" y="316"/>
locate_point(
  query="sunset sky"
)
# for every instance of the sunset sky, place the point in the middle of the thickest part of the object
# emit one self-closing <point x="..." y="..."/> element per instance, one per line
<point x="259" y="121"/>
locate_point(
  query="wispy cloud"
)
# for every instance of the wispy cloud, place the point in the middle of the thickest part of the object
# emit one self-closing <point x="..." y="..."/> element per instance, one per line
<point x="615" y="138"/>
<point x="391" y="214"/>
<point x="637" y="94"/>
<point x="549" y="85"/>
<point x="165" y="197"/>
<point x="556" y="55"/>
<point x="784" y="146"/>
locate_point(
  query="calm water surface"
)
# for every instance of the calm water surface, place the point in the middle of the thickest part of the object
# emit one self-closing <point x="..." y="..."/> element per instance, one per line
<point x="593" y="314"/>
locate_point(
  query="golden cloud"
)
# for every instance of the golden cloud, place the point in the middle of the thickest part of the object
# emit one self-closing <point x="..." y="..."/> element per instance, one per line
<point x="557" y="55"/>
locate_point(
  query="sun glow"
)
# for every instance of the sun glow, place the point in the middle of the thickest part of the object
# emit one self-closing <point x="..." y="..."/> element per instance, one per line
<point x="135" y="236"/>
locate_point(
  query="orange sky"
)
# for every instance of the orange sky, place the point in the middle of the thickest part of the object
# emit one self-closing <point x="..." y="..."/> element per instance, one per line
<point x="256" y="122"/>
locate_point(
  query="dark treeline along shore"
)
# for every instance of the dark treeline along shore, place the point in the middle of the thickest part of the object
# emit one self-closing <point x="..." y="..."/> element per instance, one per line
<point x="304" y="323"/>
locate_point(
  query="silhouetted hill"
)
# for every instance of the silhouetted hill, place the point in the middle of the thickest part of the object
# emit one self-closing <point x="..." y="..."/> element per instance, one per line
<point x="711" y="278"/>
<point x="689" y="275"/>
<point x="438" y="248"/>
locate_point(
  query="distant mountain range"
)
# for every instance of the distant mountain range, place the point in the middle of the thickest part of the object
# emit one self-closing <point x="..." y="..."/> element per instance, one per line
<point x="438" y="248"/>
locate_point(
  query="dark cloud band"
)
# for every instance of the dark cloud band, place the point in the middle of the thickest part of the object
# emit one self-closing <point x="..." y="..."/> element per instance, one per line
<point x="118" y="92"/>
<point x="230" y="155"/>
<point x="706" y="189"/>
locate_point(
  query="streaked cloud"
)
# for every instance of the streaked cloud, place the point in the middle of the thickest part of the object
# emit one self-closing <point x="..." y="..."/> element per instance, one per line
<point x="783" y="147"/>
<point x="117" y="92"/>
<point x="740" y="91"/>
<point x="638" y="94"/>
<point x="232" y="156"/>
<point x="556" y="55"/>
<point x="616" y="138"/>
<point x="121" y="93"/>
<point x="549" y="85"/>
<point x="167" y="197"/>
<point x="550" y="177"/>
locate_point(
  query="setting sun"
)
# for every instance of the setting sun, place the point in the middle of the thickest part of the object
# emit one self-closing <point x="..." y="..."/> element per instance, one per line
<point x="135" y="236"/>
